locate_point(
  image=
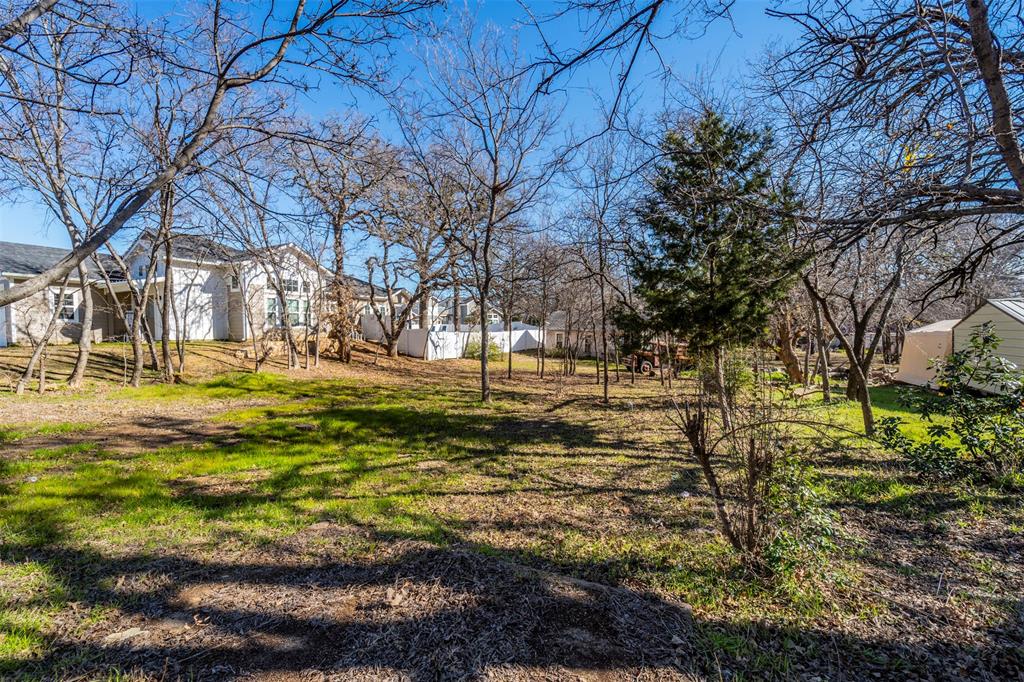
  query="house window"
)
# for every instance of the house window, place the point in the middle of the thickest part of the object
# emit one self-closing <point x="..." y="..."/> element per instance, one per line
<point x="274" y="313"/>
<point x="233" y="282"/>
<point x="493" y="318"/>
<point x="67" y="308"/>
<point x="140" y="271"/>
<point x="290" y="286"/>
<point x="559" y="342"/>
<point x="305" y="287"/>
<point x="586" y="346"/>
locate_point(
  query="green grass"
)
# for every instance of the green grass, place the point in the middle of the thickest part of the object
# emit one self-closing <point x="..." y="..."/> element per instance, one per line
<point x="335" y="450"/>
<point x="15" y="432"/>
<point x="404" y="461"/>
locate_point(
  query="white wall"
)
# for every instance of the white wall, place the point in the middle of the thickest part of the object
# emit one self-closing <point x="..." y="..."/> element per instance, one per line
<point x="4" y="316"/>
<point x="200" y="294"/>
<point x="291" y="267"/>
<point x="433" y="344"/>
<point x="1009" y="331"/>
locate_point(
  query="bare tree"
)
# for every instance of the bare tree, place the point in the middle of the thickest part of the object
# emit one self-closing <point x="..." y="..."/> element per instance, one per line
<point x="412" y="240"/>
<point x="39" y="346"/>
<point x="237" y="53"/>
<point x="339" y="172"/>
<point x="910" y="112"/>
<point x="20" y="22"/>
<point x="856" y="299"/>
<point x="488" y="138"/>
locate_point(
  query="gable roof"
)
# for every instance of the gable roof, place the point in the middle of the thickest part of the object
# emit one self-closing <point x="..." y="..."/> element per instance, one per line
<point x="1014" y="307"/>
<point x="192" y="247"/>
<point x="32" y="259"/>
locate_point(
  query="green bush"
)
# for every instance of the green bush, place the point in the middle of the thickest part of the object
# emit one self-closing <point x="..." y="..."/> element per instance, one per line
<point x="985" y="437"/>
<point x="473" y="350"/>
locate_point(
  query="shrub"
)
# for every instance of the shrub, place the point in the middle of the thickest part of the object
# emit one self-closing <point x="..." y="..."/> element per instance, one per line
<point x="766" y="500"/>
<point x="473" y="350"/>
<point x="985" y="436"/>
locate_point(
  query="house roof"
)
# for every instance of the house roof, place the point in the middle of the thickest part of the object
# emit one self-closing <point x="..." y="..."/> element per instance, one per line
<point x="32" y="259"/>
<point x="194" y="247"/>
<point x="556" y="320"/>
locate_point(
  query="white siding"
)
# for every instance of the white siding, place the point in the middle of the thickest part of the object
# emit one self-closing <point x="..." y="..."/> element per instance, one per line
<point x="1009" y="330"/>
<point x="200" y="295"/>
<point x="4" y="317"/>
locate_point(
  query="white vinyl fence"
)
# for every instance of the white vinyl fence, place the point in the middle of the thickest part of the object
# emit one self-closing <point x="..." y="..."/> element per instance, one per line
<point x="440" y="344"/>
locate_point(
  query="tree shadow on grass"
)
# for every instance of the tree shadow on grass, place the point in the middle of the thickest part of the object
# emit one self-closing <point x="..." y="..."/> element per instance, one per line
<point x="407" y="609"/>
<point x="387" y="603"/>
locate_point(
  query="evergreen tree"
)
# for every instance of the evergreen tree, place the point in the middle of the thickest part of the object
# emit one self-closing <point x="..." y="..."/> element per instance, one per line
<point x="718" y="254"/>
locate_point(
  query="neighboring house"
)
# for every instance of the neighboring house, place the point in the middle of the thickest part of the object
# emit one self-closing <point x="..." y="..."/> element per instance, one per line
<point x="25" y="321"/>
<point x="219" y="292"/>
<point x="556" y="337"/>
<point x="469" y="312"/>
<point x="223" y="293"/>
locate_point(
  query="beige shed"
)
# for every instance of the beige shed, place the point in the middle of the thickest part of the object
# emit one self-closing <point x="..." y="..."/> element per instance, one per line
<point x="921" y="347"/>
<point x="1007" y="318"/>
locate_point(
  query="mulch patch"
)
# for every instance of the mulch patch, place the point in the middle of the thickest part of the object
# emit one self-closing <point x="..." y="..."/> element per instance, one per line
<point x="304" y="608"/>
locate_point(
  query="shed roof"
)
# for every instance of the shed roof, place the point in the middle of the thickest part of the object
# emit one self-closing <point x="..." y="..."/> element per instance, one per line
<point x="1014" y="307"/>
<point x="940" y="326"/>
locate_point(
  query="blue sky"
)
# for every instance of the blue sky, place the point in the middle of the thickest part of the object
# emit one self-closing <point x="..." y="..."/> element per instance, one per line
<point x="719" y="57"/>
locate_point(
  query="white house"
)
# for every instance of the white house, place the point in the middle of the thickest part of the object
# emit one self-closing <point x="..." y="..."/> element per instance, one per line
<point x="219" y="292"/>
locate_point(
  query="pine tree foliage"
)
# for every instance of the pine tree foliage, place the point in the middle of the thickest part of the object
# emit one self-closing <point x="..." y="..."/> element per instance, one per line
<point x="718" y="254"/>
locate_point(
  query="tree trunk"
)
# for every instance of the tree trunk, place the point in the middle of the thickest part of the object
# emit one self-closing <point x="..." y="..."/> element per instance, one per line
<point x="508" y="328"/>
<point x="147" y="336"/>
<point x="85" y="337"/>
<point x="137" y="348"/>
<point x="425" y="310"/>
<point x="823" y="357"/>
<point x="42" y="372"/>
<point x="485" y="377"/>
<point x="40" y="348"/>
<point x="784" y="334"/>
<point x="165" y="309"/>
<point x="722" y="389"/>
<point x="343" y="302"/>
